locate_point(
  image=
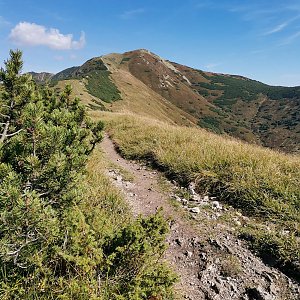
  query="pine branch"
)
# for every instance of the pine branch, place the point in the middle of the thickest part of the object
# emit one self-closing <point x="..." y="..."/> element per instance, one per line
<point x="16" y="253"/>
<point x="4" y="116"/>
<point x="4" y="133"/>
<point x="12" y="134"/>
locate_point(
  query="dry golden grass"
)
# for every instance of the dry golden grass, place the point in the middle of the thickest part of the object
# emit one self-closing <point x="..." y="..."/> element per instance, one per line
<point x="261" y="182"/>
<point x="138" y="98"/>
<point x="79" y="90"/>
<point x="103" y="203"/>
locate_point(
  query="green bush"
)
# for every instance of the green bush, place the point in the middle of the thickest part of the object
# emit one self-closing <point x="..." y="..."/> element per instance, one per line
<point x="133" y="260"/>
<point x="210" y="123"/>
<point x="52" y="245"/>
<point x="100" y="85"/>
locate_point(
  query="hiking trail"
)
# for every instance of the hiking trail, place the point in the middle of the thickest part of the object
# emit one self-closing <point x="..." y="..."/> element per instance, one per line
<point x="212" y="263"/>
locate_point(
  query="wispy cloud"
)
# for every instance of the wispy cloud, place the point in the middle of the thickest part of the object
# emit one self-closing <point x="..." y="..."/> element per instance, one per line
<point x="267" y="21"/>
<point x="58" y="57"/>
<point x="31" y="34"/>
<point x="73" y="56"/>
<point x="211" y="66"/>
<point x="259" y="51"/>
<point x="282" y="26"/>
<point x="293" y="7"/>
<point x="289" y="40"/>
<point x="129" y="14"/>
<point x="205" y="4"/>
<point x="253" y="12"/>
<point x="277" y="28"/>
<point x="4" y="22"/>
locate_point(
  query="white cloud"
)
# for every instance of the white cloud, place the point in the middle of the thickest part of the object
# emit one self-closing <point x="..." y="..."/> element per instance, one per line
<point x="129" y="14"/>
<point x="277" y="28"/>
<point x="31" y="34"/>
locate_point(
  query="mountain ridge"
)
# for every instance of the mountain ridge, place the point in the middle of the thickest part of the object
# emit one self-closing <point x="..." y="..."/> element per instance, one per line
<point x="226" y="104"/>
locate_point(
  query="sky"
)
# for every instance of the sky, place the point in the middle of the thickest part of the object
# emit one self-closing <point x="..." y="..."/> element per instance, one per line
<point x="259" y="39"/>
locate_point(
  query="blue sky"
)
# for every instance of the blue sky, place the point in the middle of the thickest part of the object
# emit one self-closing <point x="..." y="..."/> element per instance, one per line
<point x="257" y="39"/>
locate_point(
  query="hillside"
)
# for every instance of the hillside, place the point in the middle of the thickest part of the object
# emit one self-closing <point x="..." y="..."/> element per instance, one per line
<point x="261" y="183"/>
<point x="225" y="104"/>
<point x="41" y="77"/>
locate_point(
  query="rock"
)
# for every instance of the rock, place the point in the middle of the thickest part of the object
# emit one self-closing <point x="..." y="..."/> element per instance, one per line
<point x="195" y="210"/>
<point x="189" y="253"/>
<point x="215" y="243"/>
<point x="195" y="241"/>
<point x="216" y="205"/>
<point x="179" y="241"/>
<point x="258" y="294"/>
<point x="238" y="223"/>
<point x="203" y="256"/>
<point x="177" y="198"/>
<point x="118" y="178"/>
<point x="285" y="232"/>
<point x="184" y="201"/>
<point x="216" y="288"/>
<point x="206" y="198"/>
<point x="196" y="197"/>
<point x="191" y="188"/>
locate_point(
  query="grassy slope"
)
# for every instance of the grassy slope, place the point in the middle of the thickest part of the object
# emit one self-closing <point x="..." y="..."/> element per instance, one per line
<point x="249" y="109"/>
<point x="150" y="86"/>
<point x="79" y="90"/>
<point x="137" y="98"/>
<point x="94" y="75"/>
<point x="261" y="182"/>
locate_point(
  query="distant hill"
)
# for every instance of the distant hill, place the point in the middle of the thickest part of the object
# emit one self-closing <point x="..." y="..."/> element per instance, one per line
<point x="225" y="104"/>
<point x="41" y="77"/>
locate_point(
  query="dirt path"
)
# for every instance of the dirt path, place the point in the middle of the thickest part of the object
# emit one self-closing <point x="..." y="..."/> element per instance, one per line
<point x="211" y="262"/>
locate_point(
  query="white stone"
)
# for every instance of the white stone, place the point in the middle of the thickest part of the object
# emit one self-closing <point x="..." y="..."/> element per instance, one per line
<point x="191" y="188"/>
<point x="189" y="253"/>
<point x="206" y="198"/>
<point x="196" y="197"/>
<point x="216" y="205"/>
<point x="195" y="210"/>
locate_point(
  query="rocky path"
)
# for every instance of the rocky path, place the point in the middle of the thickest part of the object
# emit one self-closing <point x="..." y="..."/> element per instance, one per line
<point x="211" y="262"/>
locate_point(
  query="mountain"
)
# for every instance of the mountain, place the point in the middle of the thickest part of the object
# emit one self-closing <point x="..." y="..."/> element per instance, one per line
<point x="41" y="77"/>
<point x="226" y="104"/>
